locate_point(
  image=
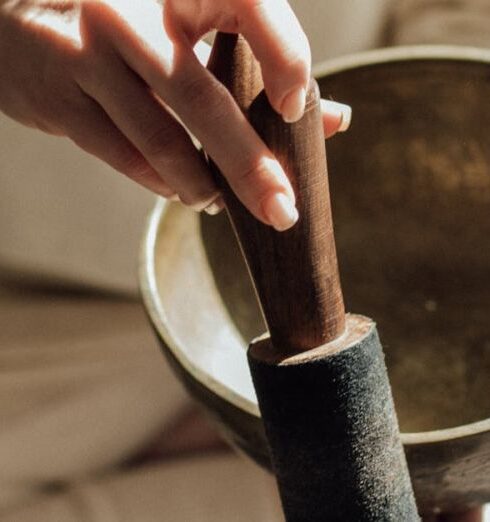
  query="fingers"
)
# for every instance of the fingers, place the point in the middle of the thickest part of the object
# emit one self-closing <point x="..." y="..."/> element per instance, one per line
<point x="125" y="90"/>
<point x="273" y="32"/>
<point x="212" y="115"/>
<point x="154" y="132"/>
<point x="207" y="109"/>
<point x="281" y="47"/>
<point x="93" y="131"/>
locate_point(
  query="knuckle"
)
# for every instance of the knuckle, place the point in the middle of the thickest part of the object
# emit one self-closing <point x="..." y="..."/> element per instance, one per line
<point x="262" y="176"/>
<point x="133" y="165"/>
<point x="201" y="93"/>
<point x="162" y="143"/>
<point x="89" y="67"/>
<point x="192" y="89"/>
<point x="255" y="174"/>
<point x="248" y="175"/>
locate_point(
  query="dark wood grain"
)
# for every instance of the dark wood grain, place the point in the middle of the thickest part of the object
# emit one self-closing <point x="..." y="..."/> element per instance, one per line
<point x="295" y="272"/>
<point x="234" y="65"/>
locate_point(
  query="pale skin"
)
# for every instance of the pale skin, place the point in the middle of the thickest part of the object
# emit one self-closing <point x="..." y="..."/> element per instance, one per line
<point x="111" y="74"/>
<point x="124" y="79"/>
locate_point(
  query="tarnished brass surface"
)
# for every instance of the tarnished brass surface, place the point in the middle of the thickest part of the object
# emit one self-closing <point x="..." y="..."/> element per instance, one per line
<point x="410" y="185"/>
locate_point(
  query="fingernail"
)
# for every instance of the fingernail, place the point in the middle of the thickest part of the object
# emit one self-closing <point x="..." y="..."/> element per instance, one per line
<point x="175" y="198"/>
<point x="213" y="209"/>
<point x="280" y="211"/>
<point x="345" y="114"/>
<point x="204" y="204"/>
<point x="216" y="207"/>
<point x="293" y="105"/>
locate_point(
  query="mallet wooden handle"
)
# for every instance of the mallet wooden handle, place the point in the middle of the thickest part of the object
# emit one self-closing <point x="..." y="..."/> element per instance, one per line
<point x="295" y="272"/>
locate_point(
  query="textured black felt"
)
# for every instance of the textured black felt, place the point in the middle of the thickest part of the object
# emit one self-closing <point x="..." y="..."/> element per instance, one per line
<point x="333" y="435"/>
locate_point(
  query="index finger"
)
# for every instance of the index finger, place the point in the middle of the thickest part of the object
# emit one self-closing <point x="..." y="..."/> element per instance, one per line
<point x="282" y="49"/>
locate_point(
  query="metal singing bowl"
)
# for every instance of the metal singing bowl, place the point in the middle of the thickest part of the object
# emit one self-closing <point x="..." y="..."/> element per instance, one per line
<point x="410" y="184"/>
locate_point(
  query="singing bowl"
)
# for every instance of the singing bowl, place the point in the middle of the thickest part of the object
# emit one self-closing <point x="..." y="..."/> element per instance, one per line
<point x="410" y="188"/>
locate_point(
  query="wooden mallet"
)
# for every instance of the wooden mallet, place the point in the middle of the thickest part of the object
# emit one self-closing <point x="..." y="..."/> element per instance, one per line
<point x="319" y="374"/>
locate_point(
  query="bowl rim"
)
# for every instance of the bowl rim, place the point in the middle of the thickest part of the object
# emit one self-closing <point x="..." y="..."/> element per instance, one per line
<point x="402" y="53"/>
<point x="147" y="269"/>
<point x="149" y="292"/>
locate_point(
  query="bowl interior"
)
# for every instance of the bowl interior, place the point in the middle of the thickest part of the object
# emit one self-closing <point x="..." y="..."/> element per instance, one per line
<point x="410" y="185"/>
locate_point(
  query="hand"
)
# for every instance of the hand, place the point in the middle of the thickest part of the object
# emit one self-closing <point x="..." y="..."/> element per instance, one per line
<point x="112" y="74"/>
